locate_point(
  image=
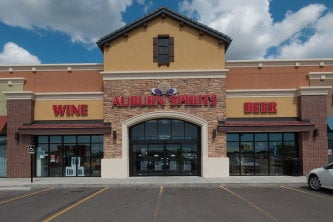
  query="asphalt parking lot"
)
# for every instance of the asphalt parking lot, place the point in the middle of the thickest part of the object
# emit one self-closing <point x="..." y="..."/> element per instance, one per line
<point x="199" y="203"/>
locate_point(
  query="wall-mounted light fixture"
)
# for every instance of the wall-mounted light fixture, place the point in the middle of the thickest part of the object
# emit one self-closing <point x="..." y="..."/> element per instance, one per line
<point x="114" y="135"/>
<point x="214" y="134"/>
<point x="17" y="136"/>
<point x="315" y="132"/>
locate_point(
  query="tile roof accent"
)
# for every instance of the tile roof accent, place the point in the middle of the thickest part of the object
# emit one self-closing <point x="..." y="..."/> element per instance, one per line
<point x="163" y="10"/>
<point x="3" y="122"/>
<point x="63" y="128"/>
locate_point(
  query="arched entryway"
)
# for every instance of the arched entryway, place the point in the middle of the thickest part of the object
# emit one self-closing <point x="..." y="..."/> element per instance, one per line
<point x="165" y="147"/>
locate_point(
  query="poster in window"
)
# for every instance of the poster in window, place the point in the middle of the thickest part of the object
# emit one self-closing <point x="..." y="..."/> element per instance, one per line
<point x="143" y="165"/>
<point x="173" y="165"/>
<point x="187" y="165"/>
<point x="158" y="165"/>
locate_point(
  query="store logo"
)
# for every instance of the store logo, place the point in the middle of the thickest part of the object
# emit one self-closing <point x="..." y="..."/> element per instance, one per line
<point x="164" y="89"/>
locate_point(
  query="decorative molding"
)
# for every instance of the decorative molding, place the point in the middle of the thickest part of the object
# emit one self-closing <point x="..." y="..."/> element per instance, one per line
<point x="320" y="75"/>
<point x="313" y="90"/>
<point x="279" y="63"/>
<point x="174" y="74"/>
<point x="11" y="95"/>
<point x="22" y="95"/>
<point x="261" y="93"/>
<point x="12" y="81"/>
<point x="69" y="96"/>
<point x="52" y="67"/>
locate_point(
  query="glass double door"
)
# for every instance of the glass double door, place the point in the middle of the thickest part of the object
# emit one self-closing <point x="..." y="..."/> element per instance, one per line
<point x="165" y="160"/>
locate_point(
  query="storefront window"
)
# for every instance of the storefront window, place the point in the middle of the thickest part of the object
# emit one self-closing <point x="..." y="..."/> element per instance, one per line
<point x="330" y="146"/>
<point x="59" y="156"/>
<point x="262" y="153"/>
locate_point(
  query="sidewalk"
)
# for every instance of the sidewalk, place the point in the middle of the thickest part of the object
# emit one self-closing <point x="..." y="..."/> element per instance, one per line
<point x="12" y="183"/>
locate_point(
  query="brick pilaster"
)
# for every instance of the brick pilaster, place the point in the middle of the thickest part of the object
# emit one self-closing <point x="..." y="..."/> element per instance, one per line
<point x="19" y="111"/>
<point x="313" y="145"/>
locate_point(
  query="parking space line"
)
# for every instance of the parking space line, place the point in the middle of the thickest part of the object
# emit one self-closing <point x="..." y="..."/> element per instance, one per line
<point x="50" y="218"/>
<point x="251" y="204"/>
<point x="158" y="203"/>
<point x="308" y="193"/>
<point x="25" y="195"/>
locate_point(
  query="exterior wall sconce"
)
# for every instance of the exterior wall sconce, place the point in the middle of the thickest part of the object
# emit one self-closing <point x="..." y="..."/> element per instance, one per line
<point x="17" y="136"/>
<point x="114" y="135"/>
<point x="315" y="132"/>
<point x="214" y="134"/>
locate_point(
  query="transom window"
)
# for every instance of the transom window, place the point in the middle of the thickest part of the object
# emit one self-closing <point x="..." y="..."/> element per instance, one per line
<point x="164" y="129"/>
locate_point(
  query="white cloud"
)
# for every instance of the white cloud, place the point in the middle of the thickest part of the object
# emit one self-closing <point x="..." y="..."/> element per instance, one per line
<point x="250" y="25"/>
<point x="14" y="54"/>
<point x="319" y="45"/>
<point x="301" y="34"/>
<point x="83" y="20"/>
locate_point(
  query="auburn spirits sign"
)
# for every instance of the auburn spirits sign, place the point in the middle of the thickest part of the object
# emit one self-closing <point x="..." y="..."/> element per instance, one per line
<point x="162" y="96"/>
<point x="187" y="100"/>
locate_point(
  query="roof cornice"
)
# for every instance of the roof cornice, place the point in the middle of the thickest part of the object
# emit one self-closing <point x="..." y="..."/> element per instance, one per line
<point x="52" y="67"/>
<point x="320" y="62"/>
<point x="167" y="74"/>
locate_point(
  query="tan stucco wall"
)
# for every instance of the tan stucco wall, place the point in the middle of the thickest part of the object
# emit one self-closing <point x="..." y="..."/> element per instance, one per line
<point x="5" y="87"/>
<point x="192" y="51"/>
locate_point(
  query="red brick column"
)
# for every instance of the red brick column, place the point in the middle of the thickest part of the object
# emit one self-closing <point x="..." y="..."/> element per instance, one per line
<point x="313" y="145"/>
<point x="19" y="111"/>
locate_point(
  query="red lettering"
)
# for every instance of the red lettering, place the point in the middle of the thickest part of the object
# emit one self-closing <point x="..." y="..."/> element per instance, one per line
<point x="248" y="107"/>
<point x="206" y="100"/>
<point x="123" y="102"/>
<point x="255" y="107"/>
<point x="180" y="100"/>
<point x="192" y="100"/>
<point x="73" y="110"/>
<point x="115" y="101"/>
<point x="59" y="110"/>
<point x="260" y="107"/>
<point x="173" y="100"/>
<point x="213" y="100"/>
<point x="83" y="109"/>
<point x="142" y="101"/>
<point x="199" y="99"/>
<point x="133" y="100"/>
<point x="272" y="107"/>
<point x="151" y="100"/>
<point x="70" y="110"/>
<point x="160" y="100"/>
<point x="263" y="107"/>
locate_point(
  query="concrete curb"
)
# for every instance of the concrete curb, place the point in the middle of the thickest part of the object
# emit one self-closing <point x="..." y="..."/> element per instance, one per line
<point x="262" y="181"/>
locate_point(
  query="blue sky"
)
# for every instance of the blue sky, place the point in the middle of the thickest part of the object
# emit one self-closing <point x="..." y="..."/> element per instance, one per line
<point x="62" y="31"/>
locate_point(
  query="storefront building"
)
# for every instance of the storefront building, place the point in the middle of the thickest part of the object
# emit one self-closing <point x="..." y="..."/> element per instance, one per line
<point x="165" y="103"/>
